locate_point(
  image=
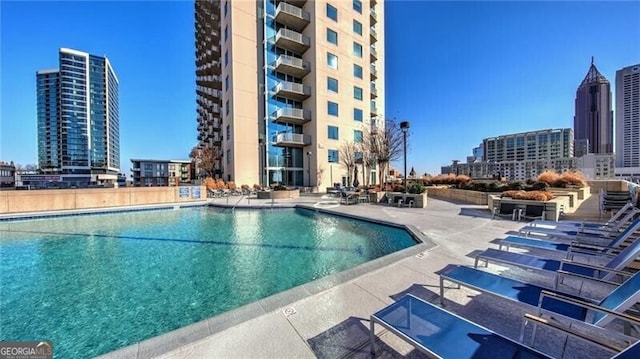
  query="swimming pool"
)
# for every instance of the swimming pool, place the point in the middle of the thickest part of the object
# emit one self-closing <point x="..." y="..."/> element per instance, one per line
<point x="95" y="283"/>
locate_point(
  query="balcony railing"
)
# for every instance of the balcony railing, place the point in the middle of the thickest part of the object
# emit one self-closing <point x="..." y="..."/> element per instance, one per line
<point x="296" y="116"/>
<point x="292" y="90"/>
<point x="292" y="16"/>
<point x="374" y="72"/>
<point x="373" y="16"/>
<point x="374" y="91"/>
<point x="373" y="35"/>
<point x="292" y="65"/>
<point x="292" y="40"/>
<point x="374" y="53"/>
<point x="291" y="139"/>
<point x="374" y="109"/>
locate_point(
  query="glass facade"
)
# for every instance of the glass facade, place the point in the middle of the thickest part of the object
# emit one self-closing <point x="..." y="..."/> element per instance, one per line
<point x="285" y="155"/>
<point x="78" y="123"/>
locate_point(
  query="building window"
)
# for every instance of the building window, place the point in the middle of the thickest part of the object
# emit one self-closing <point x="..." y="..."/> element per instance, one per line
<point x="332" y="13"/>
<point x="226" y="33"/>
<point x="333" y="133"/>
<point x="357" y="115"/>
<point x="357" y="49"/>
<point x="333" y="156"/>
<point x="332" y="84"/>
<point x="226" y="83"/>
<point x="357" y="6"/>
<point x="226" y="56"/>
<point x="358" y="157"/>
<point x="332" y="36"/>
<point x="226" y="108"/>
<point x="357" y="71"/>
<point x="226" y="7"/>
<point x="332" y="60"/>
<point x="228" y="156"/>
<point x="357" y="93"/>
<point x="332" y="108"/>
<point x="357" y="136"/>
<point x="357" y="27"/>
<point x="228" y="132"/>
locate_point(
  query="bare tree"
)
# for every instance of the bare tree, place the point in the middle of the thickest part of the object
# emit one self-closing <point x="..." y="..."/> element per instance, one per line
<point x="205" y="160"/>
<point x="384" y="145"/>
<point x="347" y="155"/>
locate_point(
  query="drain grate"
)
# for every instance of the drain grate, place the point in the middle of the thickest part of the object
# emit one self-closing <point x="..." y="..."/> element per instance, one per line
<point x="289" y="312"/>
<point x="421" y="255"/>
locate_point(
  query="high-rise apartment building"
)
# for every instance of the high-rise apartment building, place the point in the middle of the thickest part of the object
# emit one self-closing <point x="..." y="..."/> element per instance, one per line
<point x="535" y="145"/>
<point x="281" y="86"/>
<point x="628" y="122"/>
<point x="593" y="120"/>
<point x="78" y="120"/>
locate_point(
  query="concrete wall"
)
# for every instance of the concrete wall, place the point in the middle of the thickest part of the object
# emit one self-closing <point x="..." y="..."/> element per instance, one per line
<point x="66" y="199"/>
<point x="608" y="185"/>
<point x="461" y="195"/>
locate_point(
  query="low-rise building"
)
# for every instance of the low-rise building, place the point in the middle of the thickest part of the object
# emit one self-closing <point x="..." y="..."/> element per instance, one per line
<point x="147" y="172"/>
<point x="7" y="175"/>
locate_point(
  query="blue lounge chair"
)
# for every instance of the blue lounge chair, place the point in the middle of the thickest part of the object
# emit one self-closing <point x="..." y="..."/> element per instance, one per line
<point x="622" y="217"/>
<point x="557" y="246"/>
<point x="547" y="300"/>
<point x="442" y="334"/>
<point x="577" y="235"/>
<point x="607" y="272"/>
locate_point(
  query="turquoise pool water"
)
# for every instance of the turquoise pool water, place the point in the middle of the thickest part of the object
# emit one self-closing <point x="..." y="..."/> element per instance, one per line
<point x="95" y="283"/>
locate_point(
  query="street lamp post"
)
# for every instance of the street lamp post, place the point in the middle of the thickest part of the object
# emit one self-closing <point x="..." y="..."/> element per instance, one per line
<point x="404" y="127"/>
<point x="309" y="167"/>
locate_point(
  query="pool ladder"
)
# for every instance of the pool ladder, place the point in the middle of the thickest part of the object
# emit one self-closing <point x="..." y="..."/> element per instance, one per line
<point x="238" y="202"/>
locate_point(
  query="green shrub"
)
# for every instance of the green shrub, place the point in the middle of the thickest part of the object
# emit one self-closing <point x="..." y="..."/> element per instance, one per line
<point x="516" y="186"/>
<point x="493" y="187"/>
<point x="540" y="186"/>
<point x="415" y="188"/>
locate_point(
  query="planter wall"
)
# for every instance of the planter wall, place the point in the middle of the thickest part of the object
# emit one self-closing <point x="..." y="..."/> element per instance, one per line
<point x="474" y="197"/>
<point x="279" y="194"/>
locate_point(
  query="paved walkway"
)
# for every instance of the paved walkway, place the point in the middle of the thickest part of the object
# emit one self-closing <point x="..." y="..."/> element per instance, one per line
<point x="333" y="323"/>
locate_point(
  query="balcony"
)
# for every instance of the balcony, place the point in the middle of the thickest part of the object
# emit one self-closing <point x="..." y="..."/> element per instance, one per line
<point x="291" y="140"/>
<point x="373" y="35"/>
<point x="374" y="91"/>
<point x="374" y="109"/>
<point x="374" y="53"/>
<point x="292" y="16"/>
<point x="373" y="3"/>
<point x="373" y="16"/>
<point x="374" y="72"/>
<point x="292" y="40"/>
<point x="298" y="3"/>
<point x="292" y="90"/>
<point x="292" y="65"/>
<point x="296" y="116"/>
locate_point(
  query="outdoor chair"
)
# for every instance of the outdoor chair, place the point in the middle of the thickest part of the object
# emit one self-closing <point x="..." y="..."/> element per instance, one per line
<point x="363" y="197"/>
<point x="613" y="267"/>
<point x="620" y="218"/>
<point x="442" y="334"/>
<point x="505" y="209"/>
<point x="348" y="198"/>
<point x="531" y="212"/>
<point x="548" y="301"/>
<point x="579" y="246"/>
<point x="575" y="235"/>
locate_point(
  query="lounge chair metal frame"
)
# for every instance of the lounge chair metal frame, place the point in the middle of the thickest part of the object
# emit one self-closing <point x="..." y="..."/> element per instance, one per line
<point x="629" y="291"/>
<point x="475" y="344"/>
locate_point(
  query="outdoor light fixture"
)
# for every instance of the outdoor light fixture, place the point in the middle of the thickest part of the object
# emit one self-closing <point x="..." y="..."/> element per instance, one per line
<point x="404" y="127"/>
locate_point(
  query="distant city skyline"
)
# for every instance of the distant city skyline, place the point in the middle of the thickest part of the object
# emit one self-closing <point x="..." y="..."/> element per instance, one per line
<point x="481" y="69"/>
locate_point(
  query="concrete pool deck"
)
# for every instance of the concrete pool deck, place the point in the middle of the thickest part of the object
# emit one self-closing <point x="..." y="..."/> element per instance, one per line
<point x="331" y="320"/>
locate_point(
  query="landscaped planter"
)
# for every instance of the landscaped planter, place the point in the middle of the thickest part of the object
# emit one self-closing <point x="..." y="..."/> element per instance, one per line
<point x="553" y="207"/>
<point x="462" y="195"/>
<point x="294" y="193"/>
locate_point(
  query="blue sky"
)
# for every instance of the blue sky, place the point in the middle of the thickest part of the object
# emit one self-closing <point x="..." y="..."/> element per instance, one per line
<point x="458" y="71"/>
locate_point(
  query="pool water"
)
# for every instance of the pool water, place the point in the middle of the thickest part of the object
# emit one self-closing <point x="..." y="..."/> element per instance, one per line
<point x="95" y="283"/>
